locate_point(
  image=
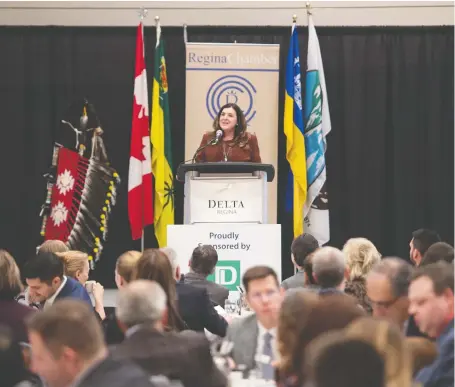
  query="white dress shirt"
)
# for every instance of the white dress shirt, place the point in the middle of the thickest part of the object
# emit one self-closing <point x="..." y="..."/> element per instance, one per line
<point x="51" y="299"/>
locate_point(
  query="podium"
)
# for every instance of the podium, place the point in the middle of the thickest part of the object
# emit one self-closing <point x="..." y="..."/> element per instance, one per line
<point x="225" y="206"/>
<point x="225" y="192"/>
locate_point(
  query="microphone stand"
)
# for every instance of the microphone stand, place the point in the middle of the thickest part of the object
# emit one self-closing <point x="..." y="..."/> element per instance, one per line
<point x="212" y="142"/>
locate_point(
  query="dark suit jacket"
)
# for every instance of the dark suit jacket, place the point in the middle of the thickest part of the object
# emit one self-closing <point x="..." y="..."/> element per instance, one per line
<point x="13" y="315"/>
<point x="115" y="373"/>
<point x="217" y="293"/>
<point x="197" y="311"/>
<point x="74" y="289"/>
<point x="183" y="356"/>
<point x="440" y="373"/>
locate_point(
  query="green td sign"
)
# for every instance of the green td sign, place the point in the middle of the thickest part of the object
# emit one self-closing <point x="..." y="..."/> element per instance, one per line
<point x="227" y="273"/>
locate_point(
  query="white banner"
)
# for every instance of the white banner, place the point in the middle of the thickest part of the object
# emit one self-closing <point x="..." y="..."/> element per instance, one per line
<point x="229" y="201"/>
<point x="239" y="247"/>
<point x="245" y="74"/>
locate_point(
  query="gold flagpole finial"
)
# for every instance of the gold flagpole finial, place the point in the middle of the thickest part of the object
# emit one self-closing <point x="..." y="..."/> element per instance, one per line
<point x="308" y="8"/>
<point x="294" y="18"/>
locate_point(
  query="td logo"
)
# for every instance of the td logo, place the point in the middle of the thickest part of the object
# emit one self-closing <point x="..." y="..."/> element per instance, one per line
<point x="227" y="273"/>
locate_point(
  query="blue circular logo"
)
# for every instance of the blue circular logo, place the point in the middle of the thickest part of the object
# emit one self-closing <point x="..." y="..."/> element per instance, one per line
<point x="231" y="89"/>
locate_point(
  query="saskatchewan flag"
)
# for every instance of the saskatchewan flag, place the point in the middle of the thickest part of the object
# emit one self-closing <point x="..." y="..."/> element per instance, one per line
<point x="160" y="134"/>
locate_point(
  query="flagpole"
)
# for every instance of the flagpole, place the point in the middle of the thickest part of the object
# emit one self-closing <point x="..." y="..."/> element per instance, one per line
<point x="142" y="15"/>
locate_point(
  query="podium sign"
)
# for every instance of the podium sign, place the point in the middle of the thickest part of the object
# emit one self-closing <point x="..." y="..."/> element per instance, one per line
<point x="239" y="247"/>
<point x="226" y="200"/>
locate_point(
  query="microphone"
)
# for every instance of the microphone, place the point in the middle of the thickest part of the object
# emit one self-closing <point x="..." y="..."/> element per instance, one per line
<point x="219" y="134"/>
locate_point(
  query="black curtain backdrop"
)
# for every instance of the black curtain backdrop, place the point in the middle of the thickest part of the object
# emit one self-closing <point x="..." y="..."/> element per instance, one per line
<point x="390" y="152"/>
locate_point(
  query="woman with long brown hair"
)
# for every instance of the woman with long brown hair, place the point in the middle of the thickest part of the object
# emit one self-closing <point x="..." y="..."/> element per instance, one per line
<point x="234" y="143"/>
<point x="155" y="266"/>
<point x="13" y="314"/>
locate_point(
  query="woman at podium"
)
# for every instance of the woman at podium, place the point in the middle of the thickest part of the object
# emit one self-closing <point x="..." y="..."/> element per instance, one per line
<point x="229" y="140"/>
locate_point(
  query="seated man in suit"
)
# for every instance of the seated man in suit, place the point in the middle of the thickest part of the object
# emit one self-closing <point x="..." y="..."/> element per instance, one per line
<point x="432" y="303"/>
<point x="387" y="289"/>
<point x="254" y="337"/>
<point x="194" y="304"/>
<point x="302" y="248"/>
<point x="46" y="282"/>
<point x="202" y="264"/>
<point x="329" y="269"/>
<point x="68" y="349"/>
<point x="185" y="356"/>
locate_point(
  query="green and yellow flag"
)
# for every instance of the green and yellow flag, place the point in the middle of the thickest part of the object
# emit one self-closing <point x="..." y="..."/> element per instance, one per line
<point x="160" y="135"/>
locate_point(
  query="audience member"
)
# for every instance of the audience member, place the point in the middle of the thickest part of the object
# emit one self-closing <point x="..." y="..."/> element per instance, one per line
<point x="12" y="313"/>
<point x="294" y="314"/>
<point x="13" y="368"/>
<point x="327" y="313"/>
<point x="155" y="266"/>
<point x="439" y="251"/>
<point x="124" y="271"/>
<point x="255" y="335"/>
<point x="202" y="264"/>
<point x="329" y="269"/>
<point x="301" y="249"/>
<point x="360" y="255"/>
<point x="125" y="267"/>
<point x="186" y="357"/>
<point x="44" y="276"/>
<point x="421" y="240"/>
<point x="423" y="352"/>
<point x="387" y="290"/>
<point x="388" y="340"/>
<point x="194" y="305"/>
<point x="431" y="298"/>
<point x="333" y="360"/>
<point x="76" y="265"/>
<point x="53" y="246"/>
<point x="68" y="349"/>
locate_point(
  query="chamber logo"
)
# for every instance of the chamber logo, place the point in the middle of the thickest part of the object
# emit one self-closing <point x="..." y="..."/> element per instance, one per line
<point x="231" y="89"/>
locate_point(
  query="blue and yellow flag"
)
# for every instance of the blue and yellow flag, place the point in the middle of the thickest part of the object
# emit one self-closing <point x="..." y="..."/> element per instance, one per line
<point x="160" y="134"/>
<point x="294" y="131"/>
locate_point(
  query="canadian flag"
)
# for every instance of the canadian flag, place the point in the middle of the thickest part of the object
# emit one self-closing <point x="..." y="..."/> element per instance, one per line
<point x="140" y="193"/>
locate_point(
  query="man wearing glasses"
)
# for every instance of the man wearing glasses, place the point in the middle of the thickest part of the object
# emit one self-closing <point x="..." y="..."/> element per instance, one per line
<point x="254" y="337"/>
<point x="387" y="290"/>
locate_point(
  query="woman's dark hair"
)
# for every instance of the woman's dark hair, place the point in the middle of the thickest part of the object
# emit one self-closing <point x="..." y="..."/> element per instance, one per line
<point x="154" y="265"/>
<point x="240" y="127"/>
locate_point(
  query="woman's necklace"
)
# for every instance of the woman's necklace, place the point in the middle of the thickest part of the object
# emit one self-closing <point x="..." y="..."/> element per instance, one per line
<point x="226" y="154"/>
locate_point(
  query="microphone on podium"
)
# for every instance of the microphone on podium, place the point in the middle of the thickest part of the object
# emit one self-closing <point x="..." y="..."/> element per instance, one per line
<point x="218" y="136"/>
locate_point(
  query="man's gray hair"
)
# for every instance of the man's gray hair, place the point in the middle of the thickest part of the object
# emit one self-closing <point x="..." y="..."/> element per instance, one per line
<point x="172" y="256"/>
<point x="139" y="302"/>
<point x="328" y="267"/>
<point x="397" y="271"/>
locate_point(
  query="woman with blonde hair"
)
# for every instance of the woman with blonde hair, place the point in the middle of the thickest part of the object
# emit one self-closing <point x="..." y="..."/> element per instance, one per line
<point x="125" y="267"/>
<point x="390" y="344"/>
<point x="76" y="265"/>
<point x="360" y="255"/>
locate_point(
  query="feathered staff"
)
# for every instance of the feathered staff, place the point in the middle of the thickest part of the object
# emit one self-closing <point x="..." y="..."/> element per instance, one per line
<point x="81" y="190"/>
